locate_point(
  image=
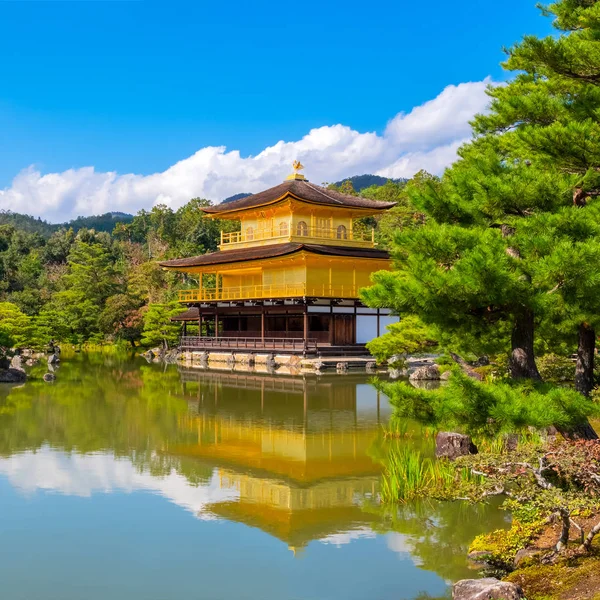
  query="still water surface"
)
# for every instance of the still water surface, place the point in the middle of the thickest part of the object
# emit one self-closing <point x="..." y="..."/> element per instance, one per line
<point x="124" y="480"/>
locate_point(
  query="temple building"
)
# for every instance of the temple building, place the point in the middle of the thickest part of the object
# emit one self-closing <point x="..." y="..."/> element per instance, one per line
<point x="289" y="279"/>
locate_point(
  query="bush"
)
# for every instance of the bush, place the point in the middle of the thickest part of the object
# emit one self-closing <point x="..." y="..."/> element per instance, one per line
<point x="556" y="368"/>
<point x="490" y="409"/>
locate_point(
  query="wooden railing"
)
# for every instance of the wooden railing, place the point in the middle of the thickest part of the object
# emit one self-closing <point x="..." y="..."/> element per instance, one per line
<point x="293" y="233"/>
<point x="260" y="292"/>
<point x="247" y="343"/>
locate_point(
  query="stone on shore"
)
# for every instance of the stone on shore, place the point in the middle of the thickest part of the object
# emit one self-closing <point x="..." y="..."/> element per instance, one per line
<point x="12" y="375"/>
<point x="48" y="377"/>
<point x="486" y="589"/>
<point x="428" y="373"/>
<point x="452" y="445"/>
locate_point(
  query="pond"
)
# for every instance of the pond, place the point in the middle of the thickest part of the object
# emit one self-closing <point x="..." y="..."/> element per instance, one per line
<point x="128" y="480"/>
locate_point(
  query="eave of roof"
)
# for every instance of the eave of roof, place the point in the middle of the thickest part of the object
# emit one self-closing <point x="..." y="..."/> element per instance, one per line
<point x="303" y="191"/>
<point x="271" y="251"/>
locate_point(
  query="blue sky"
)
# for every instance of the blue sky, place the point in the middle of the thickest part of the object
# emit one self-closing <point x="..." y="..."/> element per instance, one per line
<point x="134" y="87"/>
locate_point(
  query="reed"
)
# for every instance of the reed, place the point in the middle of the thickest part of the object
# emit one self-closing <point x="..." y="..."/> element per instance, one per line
<point x="409" y="475"/>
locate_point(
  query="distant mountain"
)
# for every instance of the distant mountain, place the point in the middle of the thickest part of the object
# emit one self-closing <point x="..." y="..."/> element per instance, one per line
<point x="105" y="222"/>
<point x="236" y="197"/>
<point x="360" y="182"/>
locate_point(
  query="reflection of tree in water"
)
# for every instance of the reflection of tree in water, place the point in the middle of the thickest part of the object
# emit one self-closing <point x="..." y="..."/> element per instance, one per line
<point x="101" y="403"/>
<point x="438" y="534"/>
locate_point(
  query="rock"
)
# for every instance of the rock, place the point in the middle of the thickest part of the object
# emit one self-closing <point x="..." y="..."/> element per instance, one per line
<point x="483" y="361"/>
<point x="526" y="556"/>
<point x="12" y="376"/>
<point x="486" y="589"/>
<point x="395" y="373"/>
<point x="446" y="375"/>
<point x="511" y="442"/>
<point x="480" y="557"/>
<point x="318" y="365"/>
<point x="371" y="367"/>
<point x="48" y="377"/>
<point x="16" y="363"/>
<point x="341" y="367"/>
<point x="53" y="359"/>
<point x="428" y="373"/>
<point x="453" y="445"/>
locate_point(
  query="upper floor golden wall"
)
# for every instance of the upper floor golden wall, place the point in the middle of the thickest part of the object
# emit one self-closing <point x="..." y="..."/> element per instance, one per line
<point x="294" y="221"/>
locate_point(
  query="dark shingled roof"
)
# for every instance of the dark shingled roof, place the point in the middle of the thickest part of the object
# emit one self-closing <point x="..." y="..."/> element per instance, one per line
<point x="271" y="251"/>
<point x="305" y="191"/>
<point x="192" y="314"/>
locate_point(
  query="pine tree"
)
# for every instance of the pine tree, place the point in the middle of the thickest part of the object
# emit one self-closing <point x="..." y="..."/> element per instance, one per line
<point x="553" y="108"/>
<point x="510" y="242"/>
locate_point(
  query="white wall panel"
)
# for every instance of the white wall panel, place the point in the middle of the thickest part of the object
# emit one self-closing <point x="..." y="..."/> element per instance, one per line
<point x="366" y="328"/>
<point x="385" y="321"/>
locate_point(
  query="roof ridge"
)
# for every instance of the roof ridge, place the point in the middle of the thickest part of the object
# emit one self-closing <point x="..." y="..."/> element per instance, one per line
<point x="320" y="190"/>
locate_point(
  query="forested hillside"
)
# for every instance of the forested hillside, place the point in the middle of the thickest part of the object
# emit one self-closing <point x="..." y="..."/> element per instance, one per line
<point x="105" y="222"/>
<point x="75" y="283"/>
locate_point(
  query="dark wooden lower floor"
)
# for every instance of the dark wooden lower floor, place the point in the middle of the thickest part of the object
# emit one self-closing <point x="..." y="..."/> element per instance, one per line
<point x="307" y="326"/>
<point x="333" y="329"/>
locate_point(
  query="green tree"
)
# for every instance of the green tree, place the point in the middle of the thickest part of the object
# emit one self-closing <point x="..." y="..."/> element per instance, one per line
<point x="553" y="108"/>
<point x="91" y="271"/>
<point x="409" y="336"/>
<point x="158" y="327"/>
<point x="16" y="327"/>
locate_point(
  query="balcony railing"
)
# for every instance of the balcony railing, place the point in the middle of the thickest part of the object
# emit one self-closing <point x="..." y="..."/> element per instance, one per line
<point x="267" y="292"/>
<point x="248" y="343"/>
<point x="294" y="233"/>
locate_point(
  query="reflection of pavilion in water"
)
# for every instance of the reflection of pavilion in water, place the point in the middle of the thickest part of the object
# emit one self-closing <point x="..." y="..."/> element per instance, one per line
<point x="296" y="450"/>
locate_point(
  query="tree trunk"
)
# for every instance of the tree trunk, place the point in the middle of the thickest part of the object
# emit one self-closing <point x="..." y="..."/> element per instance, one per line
<point x="522" y="359"/>
<point x="584" y="372"/>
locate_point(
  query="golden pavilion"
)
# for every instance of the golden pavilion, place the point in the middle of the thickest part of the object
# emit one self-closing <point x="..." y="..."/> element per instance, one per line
<point x="288" y="280"/>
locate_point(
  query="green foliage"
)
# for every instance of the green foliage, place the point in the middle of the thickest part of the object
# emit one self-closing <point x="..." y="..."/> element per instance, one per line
<point x="408" y="336"/>
<point x="501" y="546"/>
<point x="489" y="409"/>
<point x="16" y="328"/>
<point x="158" y="327"/>
<point x="80" y="284"/>
<point x="556" y="368"/>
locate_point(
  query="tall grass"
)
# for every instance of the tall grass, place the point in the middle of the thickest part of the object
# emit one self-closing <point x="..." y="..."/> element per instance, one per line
<point x="409" y="475"/>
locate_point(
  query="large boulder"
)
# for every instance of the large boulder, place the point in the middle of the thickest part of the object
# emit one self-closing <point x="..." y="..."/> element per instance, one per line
<point x="452" y="445"/>
<point x="486" y="589"/>
<point x="427" y="373"/>
<point x="12" y="376"/>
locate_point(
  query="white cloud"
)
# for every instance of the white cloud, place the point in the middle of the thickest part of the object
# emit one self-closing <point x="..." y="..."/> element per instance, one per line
<point x="83" y="475"/>
<point x="425" y="138"/>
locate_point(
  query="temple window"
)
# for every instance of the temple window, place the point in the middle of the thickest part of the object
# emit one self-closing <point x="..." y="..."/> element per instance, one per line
<point x="250" y="234"/>
<point x="302" y="228"/>
<point x="342" y="233"/>
<point x="283" y="229"/>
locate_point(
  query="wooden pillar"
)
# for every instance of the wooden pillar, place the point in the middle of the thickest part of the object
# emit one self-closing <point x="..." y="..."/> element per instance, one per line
<point x="331" y="323"/>
<point x="354" y="325"/>
<point x="184" y="328"/>
<point x="262" y="324"/>
<point x="216" y="323"/>
<point x="378" y="324"/>
<point x="305" y="327"/>
<point x="199" y="322"/>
